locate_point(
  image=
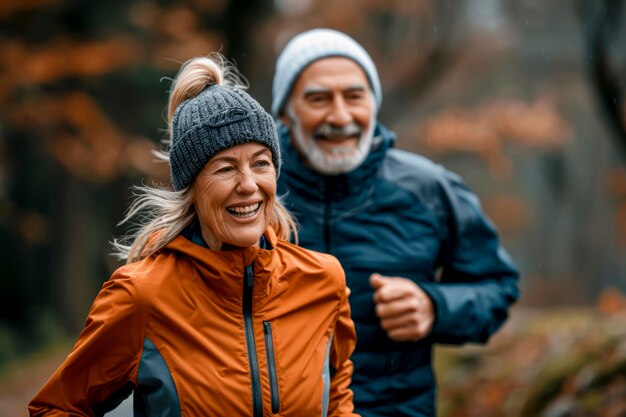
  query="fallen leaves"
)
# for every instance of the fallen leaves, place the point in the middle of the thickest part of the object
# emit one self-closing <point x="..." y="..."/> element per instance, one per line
<point x="544" y="363"/>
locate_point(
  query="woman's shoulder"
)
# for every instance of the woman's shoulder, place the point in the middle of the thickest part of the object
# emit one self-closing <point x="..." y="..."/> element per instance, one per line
<point x="146" y="277"/>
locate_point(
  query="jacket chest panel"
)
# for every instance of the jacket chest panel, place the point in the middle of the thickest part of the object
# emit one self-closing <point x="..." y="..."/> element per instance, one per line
<point x="206" y="350"/>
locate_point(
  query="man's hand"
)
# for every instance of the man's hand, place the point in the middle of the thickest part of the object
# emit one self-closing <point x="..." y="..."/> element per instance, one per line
<point x="404" y="309"/>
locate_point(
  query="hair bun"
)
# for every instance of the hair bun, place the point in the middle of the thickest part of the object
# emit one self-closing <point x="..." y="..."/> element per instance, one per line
<point x="193" y="77"/>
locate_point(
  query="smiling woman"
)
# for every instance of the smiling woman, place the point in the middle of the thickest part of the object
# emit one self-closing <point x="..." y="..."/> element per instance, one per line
<point x="215" y="313"/>
<point x="234" y="195"/>
<point x="209" y="113"/>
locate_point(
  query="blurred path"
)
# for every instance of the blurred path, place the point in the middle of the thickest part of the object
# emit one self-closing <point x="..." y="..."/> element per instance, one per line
<point x="125" y="409"/>
<point x="21" y="380"/>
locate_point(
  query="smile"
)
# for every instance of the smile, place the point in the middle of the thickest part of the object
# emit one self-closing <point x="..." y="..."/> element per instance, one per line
<point x="329" y="132"/>
<point x="339" y="140"/>
<point x="244" y="211"/>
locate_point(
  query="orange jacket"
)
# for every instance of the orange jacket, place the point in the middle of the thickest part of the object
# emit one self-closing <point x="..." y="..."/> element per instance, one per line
<point x="196" y="332"/>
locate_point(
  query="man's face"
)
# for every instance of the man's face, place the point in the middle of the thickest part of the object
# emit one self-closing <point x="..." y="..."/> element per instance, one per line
<point x="331" y="114"/>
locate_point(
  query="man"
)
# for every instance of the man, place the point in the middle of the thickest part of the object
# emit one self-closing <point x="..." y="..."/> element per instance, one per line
<point x="423" y="262"/>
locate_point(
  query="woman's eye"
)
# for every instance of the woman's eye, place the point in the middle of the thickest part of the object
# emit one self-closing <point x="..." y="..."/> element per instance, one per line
<point x="262" y="163"/>
<point x="224" y="170"/>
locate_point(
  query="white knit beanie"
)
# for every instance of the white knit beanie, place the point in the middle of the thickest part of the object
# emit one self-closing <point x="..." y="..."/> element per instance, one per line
<point x="311" y="46"/>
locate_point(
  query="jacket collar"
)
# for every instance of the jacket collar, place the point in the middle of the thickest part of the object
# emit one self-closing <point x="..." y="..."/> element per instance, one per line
<point x="317" y="186"/>
<point x="224" y="270"/>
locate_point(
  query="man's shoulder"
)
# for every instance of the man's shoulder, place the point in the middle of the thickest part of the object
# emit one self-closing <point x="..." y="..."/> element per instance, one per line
<point x="412" y="171"/>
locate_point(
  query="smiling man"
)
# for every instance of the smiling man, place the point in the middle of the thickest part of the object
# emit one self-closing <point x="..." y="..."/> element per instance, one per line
<point x="331" y="115"/>
<point x="423" y="262"/>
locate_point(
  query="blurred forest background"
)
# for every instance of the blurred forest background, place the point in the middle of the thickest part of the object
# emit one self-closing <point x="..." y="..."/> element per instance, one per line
<point x="523" y="98"/>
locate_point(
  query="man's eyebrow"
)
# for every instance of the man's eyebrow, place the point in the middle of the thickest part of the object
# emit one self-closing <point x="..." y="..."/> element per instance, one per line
<point x="355" y="87"/>
<point x="310" y="91"/>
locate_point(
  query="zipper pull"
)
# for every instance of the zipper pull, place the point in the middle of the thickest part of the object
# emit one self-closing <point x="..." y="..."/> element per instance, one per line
<point x="249" y="275"/>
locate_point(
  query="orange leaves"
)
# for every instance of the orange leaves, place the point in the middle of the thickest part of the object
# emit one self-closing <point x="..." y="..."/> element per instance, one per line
<point x="93" y="148"/>
<point x="83" y="139"/>
<point x="178" y="32"/>
<point x="461" y="131"/>
<point x="178" y="23"/>
<point x="612" y="302"/>
<point x="25" y="65"/>
<point x="73" y="127"/>
<point x="37" y="99"/>
<point x="170" y="54"/>
<point x="484" y="129"/>
<point x="510" y="213"/>
<point x="535" y="125"/>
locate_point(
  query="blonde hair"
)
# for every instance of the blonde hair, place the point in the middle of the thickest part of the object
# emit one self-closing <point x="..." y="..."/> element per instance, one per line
<point x="161" y="213"/>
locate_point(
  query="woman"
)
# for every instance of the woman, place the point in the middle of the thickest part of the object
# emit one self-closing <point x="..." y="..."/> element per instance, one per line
<point x="215" y="313"/>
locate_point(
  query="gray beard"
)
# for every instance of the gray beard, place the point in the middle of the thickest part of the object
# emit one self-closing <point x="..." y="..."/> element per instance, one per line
<point x="338" y="160"/>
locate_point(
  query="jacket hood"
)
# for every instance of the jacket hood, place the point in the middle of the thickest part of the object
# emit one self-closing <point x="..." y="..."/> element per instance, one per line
<point x="319" y="186"/>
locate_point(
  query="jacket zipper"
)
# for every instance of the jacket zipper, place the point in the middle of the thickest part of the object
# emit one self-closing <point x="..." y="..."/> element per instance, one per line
<point x="257" y="399"/>
<point x="271" y="365"/>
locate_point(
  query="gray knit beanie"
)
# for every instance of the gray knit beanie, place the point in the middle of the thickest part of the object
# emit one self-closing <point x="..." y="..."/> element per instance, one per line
<point x="311" y="46"/>
<point x="218" y="118"/>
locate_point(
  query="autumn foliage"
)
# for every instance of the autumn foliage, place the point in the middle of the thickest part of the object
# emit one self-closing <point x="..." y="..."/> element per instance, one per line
<point x="566" y="362"/>
<point x="508" y="94"/>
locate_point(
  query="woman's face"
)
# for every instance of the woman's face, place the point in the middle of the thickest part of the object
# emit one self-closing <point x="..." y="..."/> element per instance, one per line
<point x="234" y="195"/>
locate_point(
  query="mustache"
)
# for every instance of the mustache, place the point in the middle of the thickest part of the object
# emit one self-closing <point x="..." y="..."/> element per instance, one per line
<point x="328" y="131"/>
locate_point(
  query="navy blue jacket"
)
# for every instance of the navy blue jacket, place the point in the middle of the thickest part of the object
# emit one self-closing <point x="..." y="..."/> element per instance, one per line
<point x="399" y="214"/>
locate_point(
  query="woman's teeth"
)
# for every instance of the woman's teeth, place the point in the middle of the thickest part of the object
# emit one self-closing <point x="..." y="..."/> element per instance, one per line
<point x="245" y="211"/>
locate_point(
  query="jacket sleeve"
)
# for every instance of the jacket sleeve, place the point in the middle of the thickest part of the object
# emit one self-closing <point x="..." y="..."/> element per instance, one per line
<point x="343" y="344"/>
<point x="479" y="281"/>
<point x="102" y="368"/>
